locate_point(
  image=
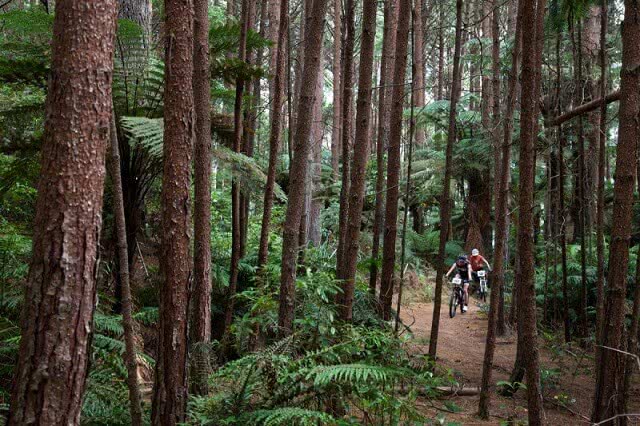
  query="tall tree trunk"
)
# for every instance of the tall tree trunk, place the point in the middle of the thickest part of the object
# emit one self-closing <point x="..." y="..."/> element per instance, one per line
<point x="251" y="121"/>
<point x="393" y="164"/>
<point x="612" y="364"/>
<point x="170" y="388"/>
<point x="61" y="292"/>
<point x="417" y="211"/>
<point x="315" y="159"/>
<point x="445" y="200"/>
<point x="580" y="185"/>
<point x="200" y="331"/>
<point x="602" y="146"/>
<point x="384" y="106"/>
<point x="274" y="17"/>
<point x="418" y="51"/>
<point x="507" y="134"/>
<point x="134" y="190"/>
<point x="562" y="212"/>
<point x="360" y="157"/>
<point x="532" y="33"/>
<point x="409" y="160"/>
<point x="298" y="172"/>
<point x="502" y="195"/>
<point x="346" y="131"/>
<point x="236" y="234"/>
<point x="337" y="87"/>
<point x="440" y="93"/>
<point x="276" y="126"/>
<point x="123" y="265"/>
<point x="632" y="336"/>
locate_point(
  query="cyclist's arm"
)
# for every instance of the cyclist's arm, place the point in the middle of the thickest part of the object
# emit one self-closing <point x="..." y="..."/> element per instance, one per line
<point x="487" y="263"/>
<point x="451" y="269"/>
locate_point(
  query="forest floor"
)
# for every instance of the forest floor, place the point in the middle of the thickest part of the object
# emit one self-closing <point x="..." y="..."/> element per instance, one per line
<point x="461" y="345"/>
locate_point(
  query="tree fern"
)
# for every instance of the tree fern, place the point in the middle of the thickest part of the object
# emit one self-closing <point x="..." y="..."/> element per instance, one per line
<point x="149" y="133"/>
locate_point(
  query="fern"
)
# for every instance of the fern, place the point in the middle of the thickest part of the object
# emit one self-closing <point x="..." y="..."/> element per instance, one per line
<point x="352" y="374"/>
<point x="149" y="133"/>
<point x="286" y="416"/>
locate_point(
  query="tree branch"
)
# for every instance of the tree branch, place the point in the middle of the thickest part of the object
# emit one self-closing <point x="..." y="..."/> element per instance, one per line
<point x="584" y="108"/>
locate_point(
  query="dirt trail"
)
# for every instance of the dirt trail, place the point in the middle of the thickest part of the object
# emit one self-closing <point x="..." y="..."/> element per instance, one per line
<point x="461" y="349"/>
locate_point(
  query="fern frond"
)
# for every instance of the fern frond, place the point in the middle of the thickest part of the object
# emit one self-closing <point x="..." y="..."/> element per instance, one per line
<point x="289" y="416"/>
<point x="149" y="134"/>
<point x="353" y="374"/>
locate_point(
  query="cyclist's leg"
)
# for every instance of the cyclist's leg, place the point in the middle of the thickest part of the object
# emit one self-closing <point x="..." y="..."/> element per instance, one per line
<point x="466" y="293"/>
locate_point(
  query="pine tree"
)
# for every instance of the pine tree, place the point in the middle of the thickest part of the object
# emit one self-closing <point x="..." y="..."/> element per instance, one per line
<point x="445" y="201"/>
<point x="53" y="360"/>
<point x="200" y="331"/>
<point x="611" y="371"/>
<point x="299" y="166"/>
<point x="360" y="156"/>
<point x="170" y="387"/>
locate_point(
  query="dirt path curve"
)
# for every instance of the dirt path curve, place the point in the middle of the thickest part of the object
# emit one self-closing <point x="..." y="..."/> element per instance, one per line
<point x="461" y="340"/>
<point x="461" y="345"/>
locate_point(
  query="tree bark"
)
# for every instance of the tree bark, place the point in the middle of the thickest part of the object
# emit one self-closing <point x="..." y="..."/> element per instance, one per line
<point x="580" y="183"/>
<point x="273" y="34"/>
<point x="562" y="212"/>
<point x="138" y="11"/>
<point x="337" y="87"/>
<point x="360" y="156"/>
<point x="236" y="225"/>
<point x="632" y="344"/>
<point x="441" y="27"/>
<point x="123" y="265"/>
<point x="609" y="380"/>
<point x="346" y="131"/>
<point x="502" y="195"/>
<point x="274" y="136"/>
<point x="251" y="121"/>
<point x="584" y="108"/>
<point x="170" y="388"/>
<point x="532" y="32"/>
<point x="384" y="106"/>
<point x="315" y="182"/>
<point x="299" y="166"/>
<point x="393" y="163"/>
<point x="418" y="51"/>
<point x="61" y="291"/>
<point x="445" y="202"/>
<point x="200" y="331"/>
<point x="600" y="203"/>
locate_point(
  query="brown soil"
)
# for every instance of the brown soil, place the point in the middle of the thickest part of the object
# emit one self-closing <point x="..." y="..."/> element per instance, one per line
<point x="461" y="350"/>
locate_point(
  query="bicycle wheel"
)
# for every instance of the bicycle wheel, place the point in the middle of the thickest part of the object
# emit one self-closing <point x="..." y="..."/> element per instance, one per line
<point x="461" y="301"/>
<point x="453" y="304"/>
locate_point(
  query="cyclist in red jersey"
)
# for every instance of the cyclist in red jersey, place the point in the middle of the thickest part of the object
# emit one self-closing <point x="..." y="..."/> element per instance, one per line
<point x="477" y="262"/>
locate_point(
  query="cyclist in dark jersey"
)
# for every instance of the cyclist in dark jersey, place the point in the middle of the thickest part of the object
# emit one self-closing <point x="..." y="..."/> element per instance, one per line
<point x="462" y="268"/>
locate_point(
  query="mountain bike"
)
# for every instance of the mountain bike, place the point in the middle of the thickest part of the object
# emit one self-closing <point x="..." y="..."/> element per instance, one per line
<point x="457" y="297"/>
<point x="482" y="290"/>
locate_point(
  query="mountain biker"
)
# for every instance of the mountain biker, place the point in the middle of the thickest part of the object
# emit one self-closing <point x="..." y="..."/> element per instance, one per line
<point x="462" y="268"/>
<point x="477" y="262"/>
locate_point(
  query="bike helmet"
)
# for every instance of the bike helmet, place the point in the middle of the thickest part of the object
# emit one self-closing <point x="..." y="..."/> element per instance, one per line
<point x="475" y="252"/>
<point x="462" y="260"/>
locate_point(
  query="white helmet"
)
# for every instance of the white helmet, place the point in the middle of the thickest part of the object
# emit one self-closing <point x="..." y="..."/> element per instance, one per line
<point x="475" y="252"/>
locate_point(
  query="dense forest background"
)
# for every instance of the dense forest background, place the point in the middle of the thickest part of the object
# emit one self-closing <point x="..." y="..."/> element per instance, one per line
<point x="242" y="212"/>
